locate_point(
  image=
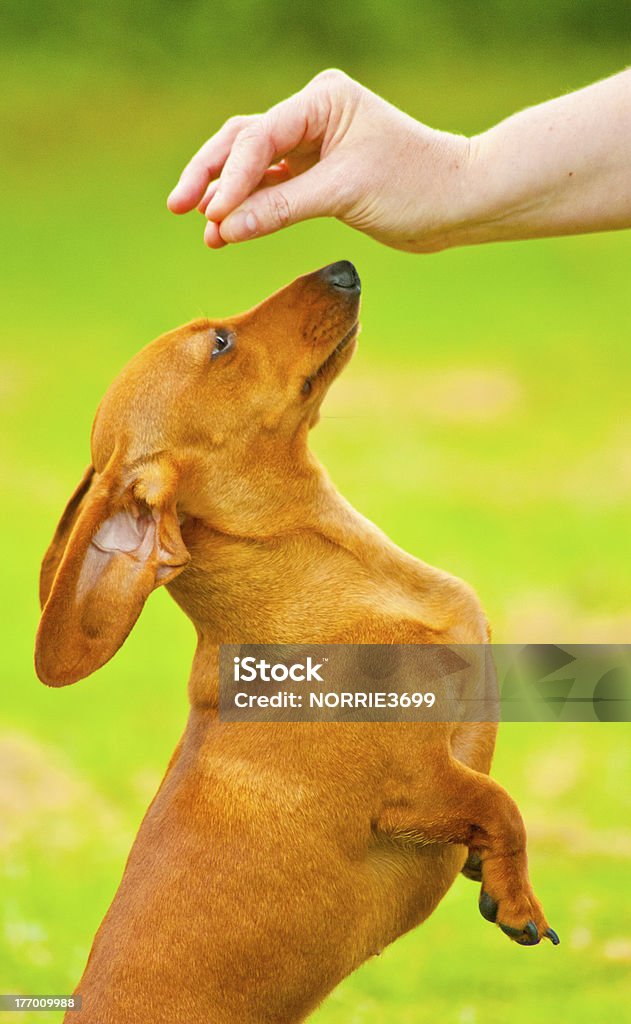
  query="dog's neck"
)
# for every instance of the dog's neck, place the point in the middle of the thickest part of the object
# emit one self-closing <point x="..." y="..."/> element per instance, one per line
<point x="314" y="571"/>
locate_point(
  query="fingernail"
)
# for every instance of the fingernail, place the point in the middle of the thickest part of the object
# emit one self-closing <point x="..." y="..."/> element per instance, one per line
<point x="239" y="226"/>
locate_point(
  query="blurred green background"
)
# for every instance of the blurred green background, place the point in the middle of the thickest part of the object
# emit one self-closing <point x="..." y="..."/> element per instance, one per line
<point x="484" y="424"/>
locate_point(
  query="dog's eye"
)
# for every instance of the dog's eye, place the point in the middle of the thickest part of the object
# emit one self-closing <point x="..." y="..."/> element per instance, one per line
<point x="224" y="341"/>
<point x="306" y="387"/>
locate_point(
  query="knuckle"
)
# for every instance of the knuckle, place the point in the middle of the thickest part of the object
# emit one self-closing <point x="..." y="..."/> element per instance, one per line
<point x="237" y="122"/>
<point x="251" y="132"/>
<point x="279" y="208"/>
<point x="330" y="77"/>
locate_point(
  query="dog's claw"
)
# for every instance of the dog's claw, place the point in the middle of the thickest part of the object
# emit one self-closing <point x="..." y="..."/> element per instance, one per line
<point x="528" y="936"/>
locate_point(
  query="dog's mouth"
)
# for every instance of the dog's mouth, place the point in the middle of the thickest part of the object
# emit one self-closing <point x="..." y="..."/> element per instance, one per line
<point x="332" y="358"/>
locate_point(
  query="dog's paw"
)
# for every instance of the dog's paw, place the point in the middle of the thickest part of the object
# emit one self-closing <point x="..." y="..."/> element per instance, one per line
<point x="530" y="933"/>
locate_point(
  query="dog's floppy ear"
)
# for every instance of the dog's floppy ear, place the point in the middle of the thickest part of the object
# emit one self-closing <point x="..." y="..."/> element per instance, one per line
<point x="114" y="544"/>
<point x="57" y="546"/>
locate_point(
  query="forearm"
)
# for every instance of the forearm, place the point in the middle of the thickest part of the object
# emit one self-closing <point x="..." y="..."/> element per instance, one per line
<point x="563" y="167"/>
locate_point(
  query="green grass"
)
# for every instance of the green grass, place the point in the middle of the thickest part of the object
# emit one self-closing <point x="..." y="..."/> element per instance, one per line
<point x="484" y="424"/>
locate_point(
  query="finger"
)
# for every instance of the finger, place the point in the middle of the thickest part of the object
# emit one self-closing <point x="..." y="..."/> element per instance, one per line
<point x="256" y="147"/>
<point x="205" y="165"/>
<point x="207" y="196"/>
<point x="212" y="238"/>
<point x="270" y="209"/>
<point x="276" y="173"/>
<point x="273" y="176"/>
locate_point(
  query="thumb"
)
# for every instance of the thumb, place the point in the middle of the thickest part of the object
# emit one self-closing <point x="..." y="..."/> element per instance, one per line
<point x="308" y="195"/>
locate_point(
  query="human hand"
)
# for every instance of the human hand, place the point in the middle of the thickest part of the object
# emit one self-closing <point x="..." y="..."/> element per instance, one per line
<point x="334" y="149"/>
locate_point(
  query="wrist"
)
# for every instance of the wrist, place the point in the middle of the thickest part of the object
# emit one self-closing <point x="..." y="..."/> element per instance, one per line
<point x="455" y="200"/>
<point x="476" y="209"/>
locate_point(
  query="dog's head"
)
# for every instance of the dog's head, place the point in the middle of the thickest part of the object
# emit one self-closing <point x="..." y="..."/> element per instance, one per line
<point x="205" y="423"/>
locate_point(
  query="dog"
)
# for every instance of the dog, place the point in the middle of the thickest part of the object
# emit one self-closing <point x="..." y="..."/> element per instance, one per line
<point x="275" y="857"/>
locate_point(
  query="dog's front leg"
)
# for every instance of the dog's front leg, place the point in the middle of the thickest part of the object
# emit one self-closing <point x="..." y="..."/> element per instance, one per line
<point x="455" y="804"/>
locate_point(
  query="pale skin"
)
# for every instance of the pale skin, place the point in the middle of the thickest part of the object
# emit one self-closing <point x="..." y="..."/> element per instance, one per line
<point x="336" y="149"/>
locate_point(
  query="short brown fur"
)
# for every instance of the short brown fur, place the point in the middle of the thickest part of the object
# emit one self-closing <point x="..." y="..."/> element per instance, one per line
<point x="275" y="858"/>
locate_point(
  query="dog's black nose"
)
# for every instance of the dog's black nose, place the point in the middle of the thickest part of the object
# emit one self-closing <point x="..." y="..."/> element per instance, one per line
<point x="342" y="275"/>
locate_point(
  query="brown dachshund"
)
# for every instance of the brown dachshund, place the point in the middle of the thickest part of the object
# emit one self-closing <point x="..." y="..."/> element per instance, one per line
<point x="275" y="857"/>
